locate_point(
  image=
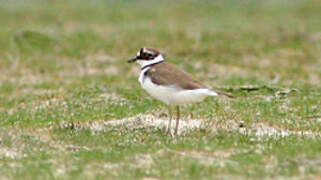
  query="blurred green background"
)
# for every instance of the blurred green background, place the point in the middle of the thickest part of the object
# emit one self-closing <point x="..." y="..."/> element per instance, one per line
<point x="63" y="66"/>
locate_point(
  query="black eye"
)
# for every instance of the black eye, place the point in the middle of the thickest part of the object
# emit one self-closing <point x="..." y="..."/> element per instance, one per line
<point x="145" y="55"/>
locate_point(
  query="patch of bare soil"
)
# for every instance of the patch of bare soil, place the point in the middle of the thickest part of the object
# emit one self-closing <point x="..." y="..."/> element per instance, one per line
<point x="136" y="122"/>
<point x="187" y="125"/>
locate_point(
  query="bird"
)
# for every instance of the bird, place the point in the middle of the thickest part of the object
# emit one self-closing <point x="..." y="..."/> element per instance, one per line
<point x="168" y="83"/>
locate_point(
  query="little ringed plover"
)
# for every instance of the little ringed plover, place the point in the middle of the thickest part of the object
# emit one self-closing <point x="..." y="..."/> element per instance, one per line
<point x="168" y="83"/>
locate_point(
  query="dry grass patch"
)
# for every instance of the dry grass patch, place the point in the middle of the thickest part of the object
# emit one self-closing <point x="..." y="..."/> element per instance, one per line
<point x="188" y="125"/>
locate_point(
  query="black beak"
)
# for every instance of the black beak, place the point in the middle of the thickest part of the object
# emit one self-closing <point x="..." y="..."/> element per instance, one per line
<point x="132" y="60"/>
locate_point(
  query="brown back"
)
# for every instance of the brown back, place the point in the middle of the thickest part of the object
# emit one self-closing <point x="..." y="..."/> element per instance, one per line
<point x="168" y="74"/>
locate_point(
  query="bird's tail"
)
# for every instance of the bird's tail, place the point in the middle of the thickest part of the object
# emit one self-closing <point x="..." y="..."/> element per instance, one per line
<point x="218" y="93"/>
<point x="225" y="94"/>
<point x="212" y="93"/>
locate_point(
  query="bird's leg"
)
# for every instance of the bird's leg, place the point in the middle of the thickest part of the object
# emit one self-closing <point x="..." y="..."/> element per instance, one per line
<point x="191" y="114"/>
<point x="177" y="119"/>
<point x="170" y="119"/>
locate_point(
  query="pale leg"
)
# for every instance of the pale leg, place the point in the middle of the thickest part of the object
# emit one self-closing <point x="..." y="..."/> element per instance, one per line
<point x="177" y="120"/>
<point x="170" y="119"/>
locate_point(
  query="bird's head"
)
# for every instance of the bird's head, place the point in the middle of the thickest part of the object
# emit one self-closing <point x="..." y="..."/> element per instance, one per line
<point x="147" y="56"/>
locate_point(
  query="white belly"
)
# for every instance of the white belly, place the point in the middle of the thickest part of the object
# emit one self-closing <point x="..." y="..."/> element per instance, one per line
<point x="173" y="95"/>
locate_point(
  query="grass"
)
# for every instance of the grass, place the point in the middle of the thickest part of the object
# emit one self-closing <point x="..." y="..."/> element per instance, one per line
<point x="64" y="79"/>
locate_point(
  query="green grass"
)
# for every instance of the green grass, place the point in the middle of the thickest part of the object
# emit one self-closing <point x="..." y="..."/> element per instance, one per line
<point x="63" y="68"/>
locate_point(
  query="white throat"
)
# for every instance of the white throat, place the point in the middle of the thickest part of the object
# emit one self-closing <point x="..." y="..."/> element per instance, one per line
<point x="144" y="63"/>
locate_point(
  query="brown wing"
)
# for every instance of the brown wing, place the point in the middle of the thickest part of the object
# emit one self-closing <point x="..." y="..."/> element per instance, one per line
<point x="169" y="74"/>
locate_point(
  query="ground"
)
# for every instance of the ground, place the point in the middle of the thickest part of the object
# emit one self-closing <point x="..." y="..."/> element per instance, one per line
<point x="72" y="108"/>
